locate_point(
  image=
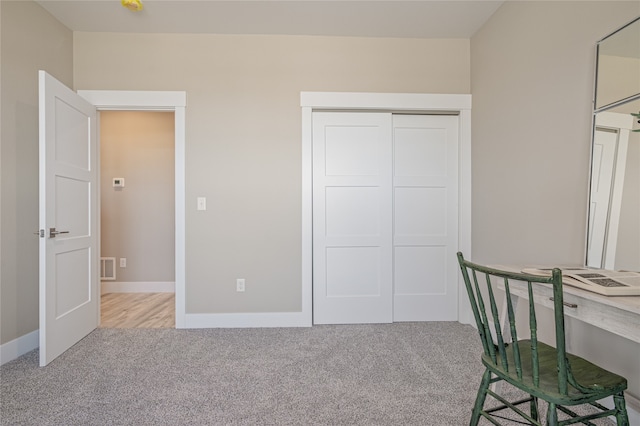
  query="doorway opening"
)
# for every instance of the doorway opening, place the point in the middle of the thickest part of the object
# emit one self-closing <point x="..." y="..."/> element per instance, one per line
<point x="137" y="235"/>
<point x="172" y="101"/>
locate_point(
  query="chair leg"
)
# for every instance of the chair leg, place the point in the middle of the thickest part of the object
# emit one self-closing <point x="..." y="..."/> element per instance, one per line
<point x="480" y="398"/>
<point x="622" y="418"/>
<point x="552" y="415"/>
<point x="535" y="415"/>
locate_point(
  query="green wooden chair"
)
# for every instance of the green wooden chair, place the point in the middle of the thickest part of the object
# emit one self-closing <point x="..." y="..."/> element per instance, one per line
<point x="551" y="374"/>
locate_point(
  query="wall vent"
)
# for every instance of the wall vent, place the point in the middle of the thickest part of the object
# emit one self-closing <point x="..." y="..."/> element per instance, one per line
<point x="107" y="268"/>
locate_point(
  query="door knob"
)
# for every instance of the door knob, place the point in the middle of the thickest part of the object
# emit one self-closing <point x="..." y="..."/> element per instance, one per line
<point x="53" y="232"/>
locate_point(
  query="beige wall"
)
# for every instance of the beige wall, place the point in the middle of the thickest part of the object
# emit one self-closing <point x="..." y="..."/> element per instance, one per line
<point x="137" y="221"/>
<point x="31" y="40"/>
<point x="243" y="132"/>
<point x="532" y="84"/>
<point x="532" y="70"/>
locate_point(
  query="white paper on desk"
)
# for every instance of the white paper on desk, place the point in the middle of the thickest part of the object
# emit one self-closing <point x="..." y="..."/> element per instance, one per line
<point x="603" y="281"/>
<point x="607" y="278"/>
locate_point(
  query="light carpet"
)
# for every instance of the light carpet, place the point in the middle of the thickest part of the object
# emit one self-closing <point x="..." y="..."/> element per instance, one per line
<point x="392" y="374"/>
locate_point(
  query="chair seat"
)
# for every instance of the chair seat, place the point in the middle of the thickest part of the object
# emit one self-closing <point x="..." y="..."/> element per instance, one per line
<point x="600" y="382"/>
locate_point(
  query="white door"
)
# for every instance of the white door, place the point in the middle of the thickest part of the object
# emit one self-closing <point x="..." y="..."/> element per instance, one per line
<point x="425" y="225"/>
<point x="69" y="308"/>
<point x="385" y="217"/>
<point x="352" y="218"/>
<point x="604" y="153"/>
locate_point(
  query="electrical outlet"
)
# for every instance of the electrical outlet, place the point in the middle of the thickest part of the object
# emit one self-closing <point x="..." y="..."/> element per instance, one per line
<point x="240" y="284"/>
<point x="123" y="262"/>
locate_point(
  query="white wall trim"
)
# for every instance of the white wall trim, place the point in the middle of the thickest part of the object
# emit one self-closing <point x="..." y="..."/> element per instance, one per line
<point x="137" y="287"/>
<point x="615" y="120"/>
<point x="180" y="216"/>
<point x="424" y="103"/>
<point x="20" y="346"/>
<point x="385" y="101"/>
<point x="247" y="320"/>
<point x="134" y="99"/>
<point x="307" y="217"/>
<point x="127" y="100"/>
<point x="464" y="215"/>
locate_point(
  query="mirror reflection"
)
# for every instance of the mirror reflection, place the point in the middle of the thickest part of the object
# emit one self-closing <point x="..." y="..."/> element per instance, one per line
<point x="618" y="65"/>
<point x="613" y="240"/>
<point x="614" y="211"/>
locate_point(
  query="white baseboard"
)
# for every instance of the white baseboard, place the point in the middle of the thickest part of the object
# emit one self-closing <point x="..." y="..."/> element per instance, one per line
<point x="633" y="407"/>
<point x="137" y="287"/>
<point x="20" y="346"/>
<point x="247" y="320"/>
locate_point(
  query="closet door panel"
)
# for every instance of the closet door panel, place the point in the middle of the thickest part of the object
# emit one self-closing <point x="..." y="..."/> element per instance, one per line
<point x="425" y="217"/>
<point x="420" y="270"/>
<point x="420" y="212"/>
<point x="352" y="218"/>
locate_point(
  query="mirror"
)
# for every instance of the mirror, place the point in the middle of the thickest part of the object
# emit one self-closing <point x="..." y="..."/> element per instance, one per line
<point x="618" y="66"/>
<point x="613" y="240"/>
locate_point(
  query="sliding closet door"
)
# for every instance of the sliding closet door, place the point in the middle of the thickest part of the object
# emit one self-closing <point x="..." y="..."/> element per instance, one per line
<point x="425" y="241"/>
<point x="385" y="217"/>
<point x="352" y="218"/>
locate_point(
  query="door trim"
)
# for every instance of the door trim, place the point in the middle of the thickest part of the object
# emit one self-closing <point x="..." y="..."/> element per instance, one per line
<point x="395" y="102"/>
<point x="176" y="101"/>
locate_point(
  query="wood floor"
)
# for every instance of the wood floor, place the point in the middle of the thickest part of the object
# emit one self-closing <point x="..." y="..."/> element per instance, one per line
<point x="137" y="310"/>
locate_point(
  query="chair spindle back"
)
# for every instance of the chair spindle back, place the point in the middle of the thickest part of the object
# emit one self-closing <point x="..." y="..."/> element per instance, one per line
<point x="499" y="338"/>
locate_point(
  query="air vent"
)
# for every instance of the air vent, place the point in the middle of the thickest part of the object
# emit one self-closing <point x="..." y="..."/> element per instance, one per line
<point x="107" y="268"/>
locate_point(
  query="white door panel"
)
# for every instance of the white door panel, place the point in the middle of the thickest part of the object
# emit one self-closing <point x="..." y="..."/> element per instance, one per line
<point x="349" y="151"/>
<point x="68" y="203"/>
<point x="419" y="270"/>
<point x="349" y="211"/>
<point x="352" y="218"/>
<point x="418" y="151"/>
<point x="425" y="217"/>
<point x="353" y="272"/>
<point x="420" y="212"/>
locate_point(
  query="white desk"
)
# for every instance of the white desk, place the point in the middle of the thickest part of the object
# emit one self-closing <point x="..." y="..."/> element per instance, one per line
<point x="616" y="314"/>
<point x="619" y="315"/>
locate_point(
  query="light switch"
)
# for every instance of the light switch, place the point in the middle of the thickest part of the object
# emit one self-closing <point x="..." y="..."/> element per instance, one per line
<point x="202" y="203"/>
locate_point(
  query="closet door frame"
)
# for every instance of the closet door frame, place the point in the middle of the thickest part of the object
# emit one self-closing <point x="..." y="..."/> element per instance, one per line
<point x="385" y="102"/>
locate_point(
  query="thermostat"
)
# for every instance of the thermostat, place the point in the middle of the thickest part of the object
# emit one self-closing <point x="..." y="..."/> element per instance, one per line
<point x="118" y="182"/>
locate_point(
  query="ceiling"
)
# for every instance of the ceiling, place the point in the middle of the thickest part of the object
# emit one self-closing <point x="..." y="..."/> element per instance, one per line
<point x="357" y="18"/>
